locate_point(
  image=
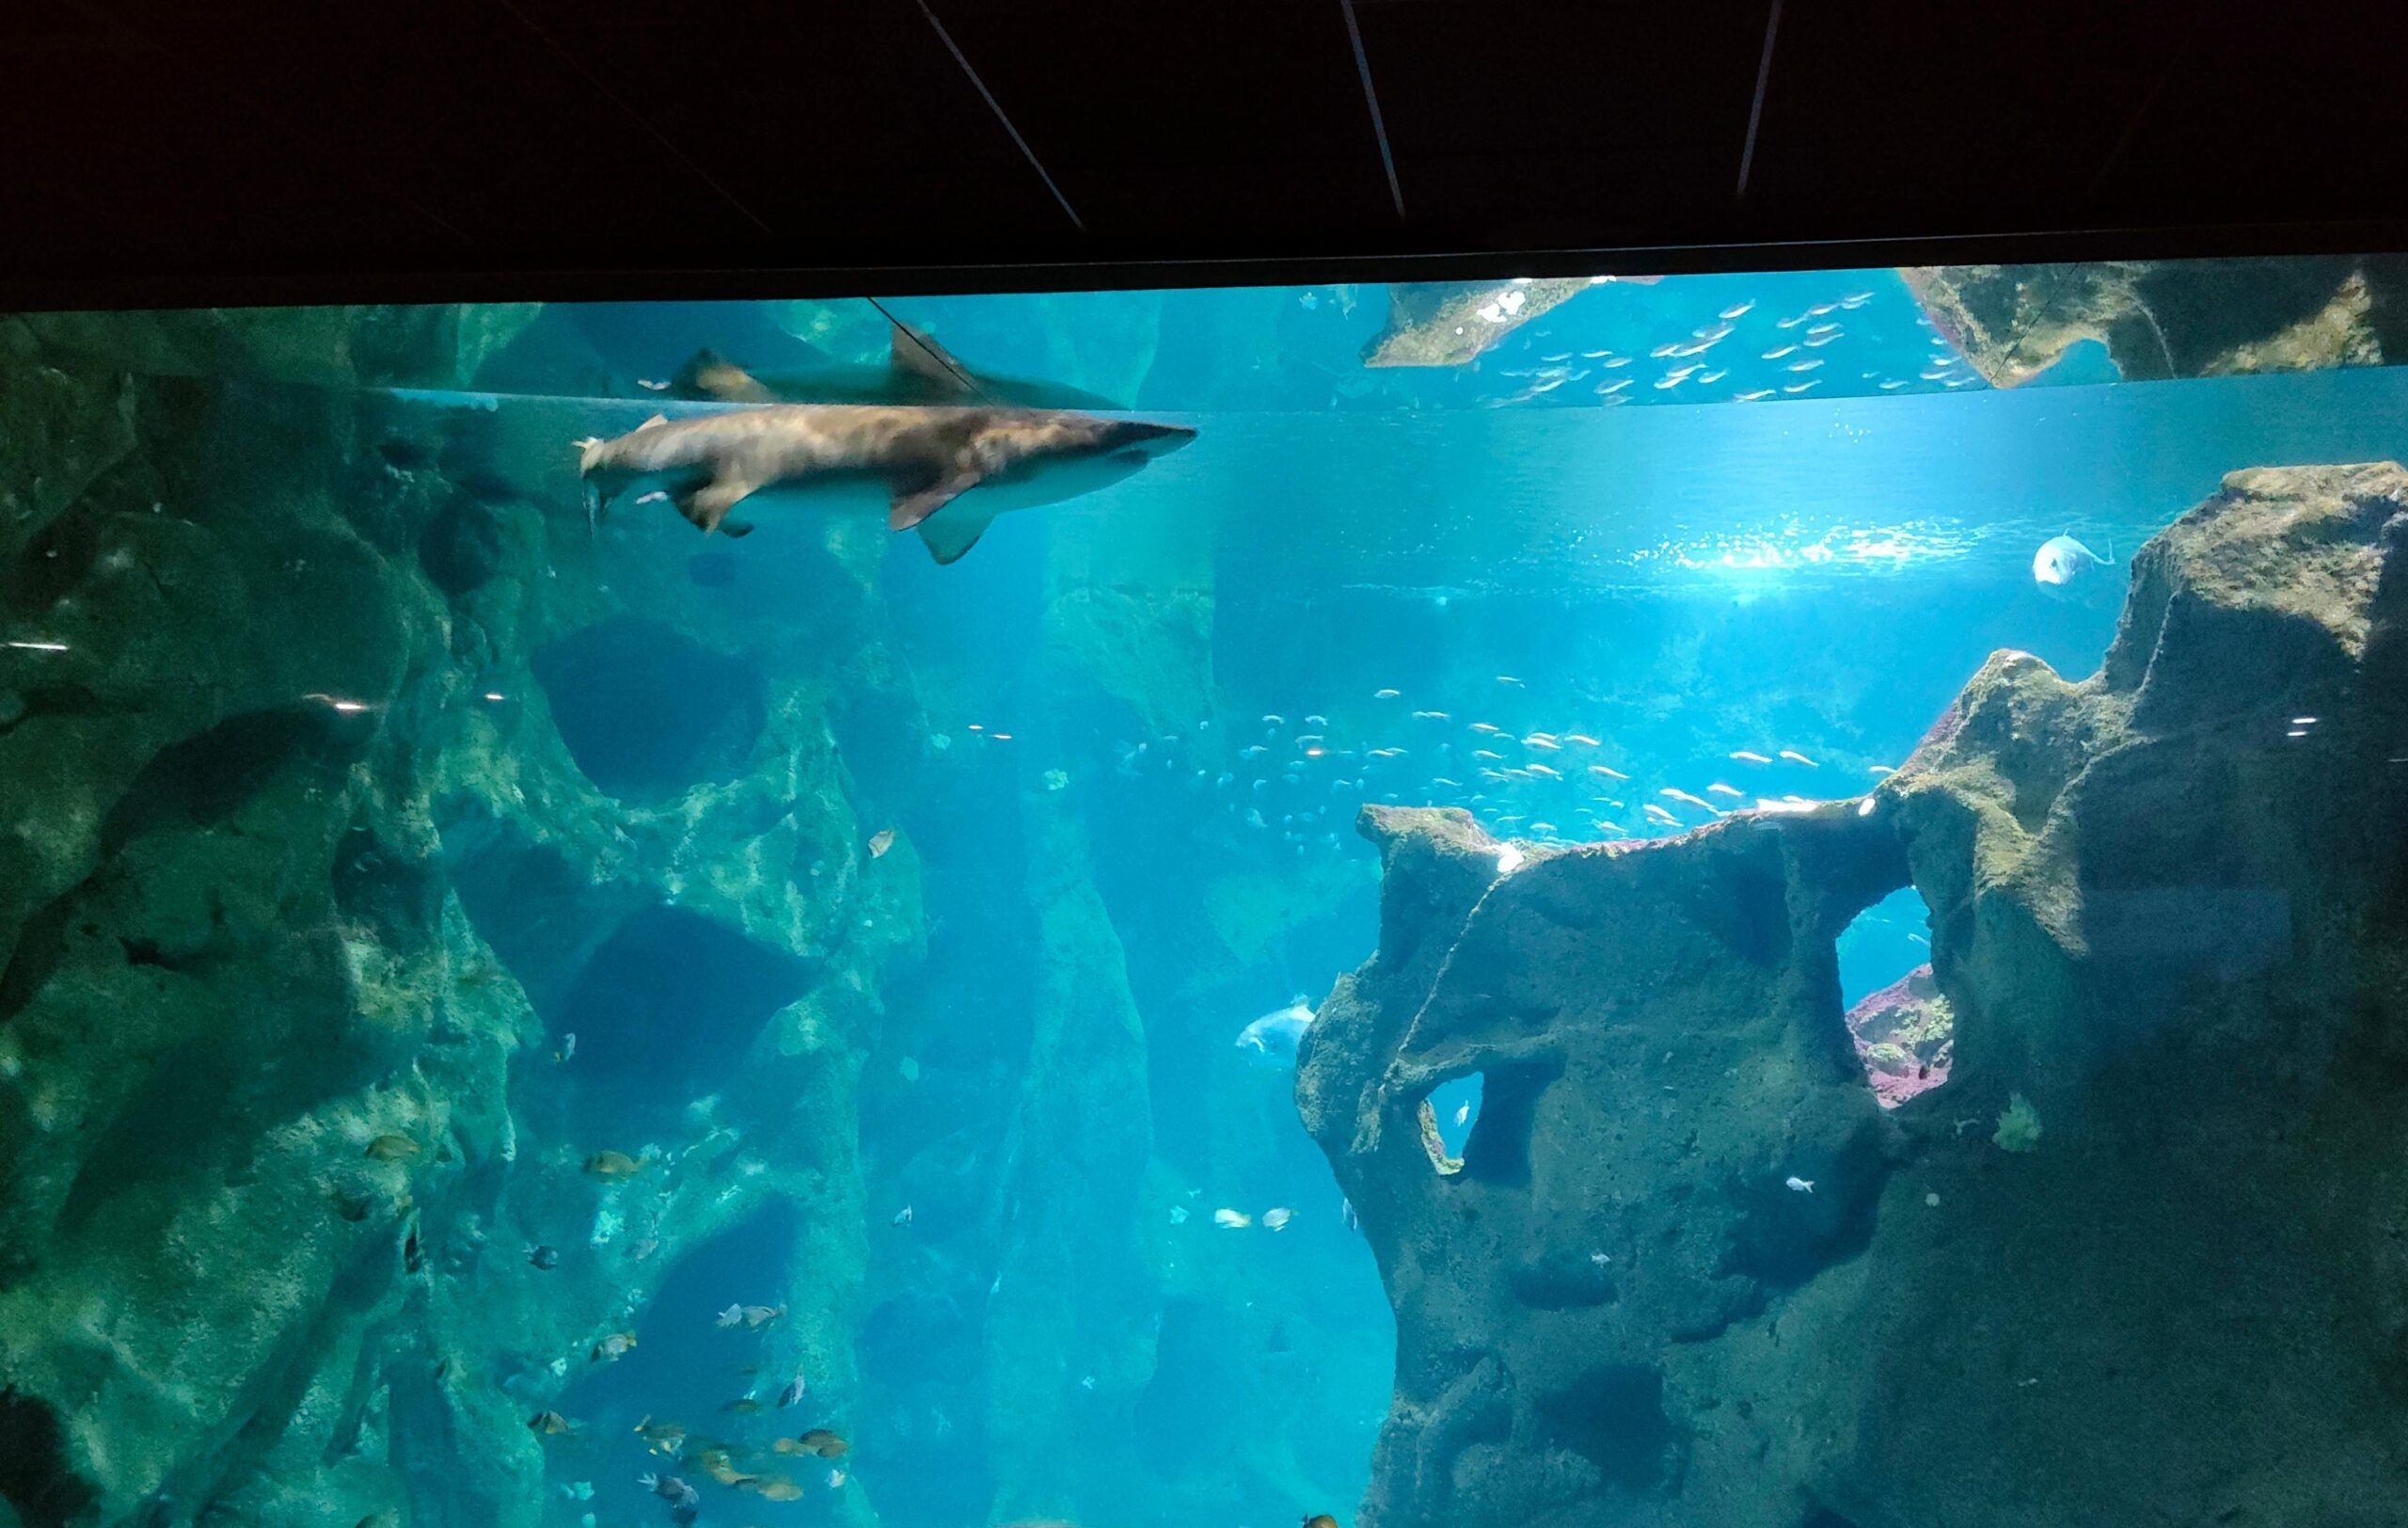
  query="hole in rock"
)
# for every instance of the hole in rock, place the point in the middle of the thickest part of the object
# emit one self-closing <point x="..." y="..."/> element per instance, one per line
<point x="542" y="913"/>
<point x="1454" y="1108"/>
<point x="33" y="1475"/>
<point x="1614" y="1418"/>
<point x="665" y="1014"/>
<point x="647" y="711"/>
<point x="1480" y="1125"/>
<point x="1903" y="1029"/>
<point x="685" y="1366"/>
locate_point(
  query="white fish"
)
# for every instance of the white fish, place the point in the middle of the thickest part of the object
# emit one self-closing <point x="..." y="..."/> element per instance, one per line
<point x="1718" y="789"/>
<point x="1231" y="1219"/>
<point x="1463" y="1115"/>
<point x="1274" y="1039"/>
<point x="1490" y="727"/>
<point x="1386" y="694"/>
<point x="2060" y="561"/>
<point x="1619" y="360"/>
<point x="1507" y="678"/>
<point x="1611" y="774"/>
<point x="1744" y="757"/>
<point x="1803" y="365"/>
<point x="1752" y="395"/>
<point x="1582" y="739"/>
<point x="1785" y="350"/>
<point x="1795" y="757"/>
<point x="1796" y="1185"/>
<point x="1430" y="716"/>
<point x="1736" y="310"/>
<point x="1543" y="771"/>
<point x="1276" y="1219"/>
<point x="902" y="1216"/>
<point x="1178" y="1215"/>
<point x="1686" y="799"/>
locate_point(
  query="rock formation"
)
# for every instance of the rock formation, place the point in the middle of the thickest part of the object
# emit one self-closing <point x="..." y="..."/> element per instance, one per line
<point x="1449" y="323"/>
<point x="1688" y="1272"/>
<point x="328" y="815"/>
<point x="2162" y="319"/>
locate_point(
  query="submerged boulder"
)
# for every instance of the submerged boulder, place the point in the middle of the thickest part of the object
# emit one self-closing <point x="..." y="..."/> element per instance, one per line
<point x="2136" y="1260"/>
<point x="2162" y="319"/>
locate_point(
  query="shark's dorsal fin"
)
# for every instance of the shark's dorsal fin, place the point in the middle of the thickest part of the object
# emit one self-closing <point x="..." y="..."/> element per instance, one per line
<point x="951" y="534"/>
<point x="657" y="418"/>
<point x="906" y="510"/>
<point x="912" y="354"/>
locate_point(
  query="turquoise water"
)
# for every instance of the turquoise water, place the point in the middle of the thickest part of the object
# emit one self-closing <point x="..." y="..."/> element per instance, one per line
<point x="1808" y="576"/>
<point x="1044" y="1241"/>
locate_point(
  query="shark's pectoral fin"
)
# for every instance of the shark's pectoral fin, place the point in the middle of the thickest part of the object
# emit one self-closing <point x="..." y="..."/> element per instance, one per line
<point x="909" y="509"/>
<point x="951" y="534"/>
<point x="708" y="505"/>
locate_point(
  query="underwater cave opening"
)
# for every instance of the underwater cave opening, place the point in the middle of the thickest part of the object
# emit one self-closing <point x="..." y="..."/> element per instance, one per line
<point x="647" y="711"/>
<point x="665" y="1011"/>
<point x="1478" y="1124"/>
<point x="1903" y="1029"/>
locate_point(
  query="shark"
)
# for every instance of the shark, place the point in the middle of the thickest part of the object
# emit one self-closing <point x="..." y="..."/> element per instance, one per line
<point x="918" y="371"/>
<point x="944" y="471"/>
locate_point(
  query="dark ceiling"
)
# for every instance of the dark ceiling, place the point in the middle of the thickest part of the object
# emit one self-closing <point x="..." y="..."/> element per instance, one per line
<point x="300" y="150"/>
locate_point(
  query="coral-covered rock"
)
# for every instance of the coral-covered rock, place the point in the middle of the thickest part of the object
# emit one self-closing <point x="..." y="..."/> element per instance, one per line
<point x="1687" y="1273"/>
<point x="2164" y="319"/>
<point x="1902" y="1035"/>
<point x="303" y="891"/>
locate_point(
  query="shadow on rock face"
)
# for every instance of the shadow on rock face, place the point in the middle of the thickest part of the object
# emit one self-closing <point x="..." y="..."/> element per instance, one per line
<point x="648" y="713"/>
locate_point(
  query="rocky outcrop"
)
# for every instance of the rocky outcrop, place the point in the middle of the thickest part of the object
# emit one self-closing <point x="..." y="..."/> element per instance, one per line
<point x="1686" y="1270"/>
<point x="354" y="895"/>
<point x="2162" y="319"/>
<point x="1449" y="323"/>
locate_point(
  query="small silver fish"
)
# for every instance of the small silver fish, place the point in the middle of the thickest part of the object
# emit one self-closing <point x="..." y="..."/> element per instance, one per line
<point x="1796" y="1185"/>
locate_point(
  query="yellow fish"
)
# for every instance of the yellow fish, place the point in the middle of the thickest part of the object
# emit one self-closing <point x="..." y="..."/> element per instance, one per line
<point x="550" y="1423"/>
<point x="826" y="1444"/>
<point x="773" y="1488"/>
<point x="393" y="1149"/>
<point x="613" y="1165"/>
<point x="614" y="1348"/>
<point x="881" y="841"/>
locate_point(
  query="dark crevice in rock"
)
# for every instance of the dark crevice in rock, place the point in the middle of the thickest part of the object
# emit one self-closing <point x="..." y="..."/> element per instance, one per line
<point x="35" y="1475"/>
<point x="647" y="711"/>
<point x="1613" y="1416"/>
<point x="665" y="1011"/>
<point x="464" y="546"/>
<point x="394" y="893"/>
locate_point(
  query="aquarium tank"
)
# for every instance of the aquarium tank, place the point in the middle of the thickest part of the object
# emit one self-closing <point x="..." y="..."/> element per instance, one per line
<point x="1741" y="900"/>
